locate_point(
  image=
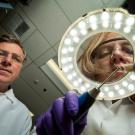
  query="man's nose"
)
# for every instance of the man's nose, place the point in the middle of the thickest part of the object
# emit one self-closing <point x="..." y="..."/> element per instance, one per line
<point x="117" y="56"/>
<point x="6" y="61"/>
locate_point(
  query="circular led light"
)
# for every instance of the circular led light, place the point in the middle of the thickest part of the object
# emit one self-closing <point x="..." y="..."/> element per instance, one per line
<point x="68" y="41"/>
<point x="117" y="25"/>
<point x="101" y="94"/>
<point x="103" y="20"/>
<point x="105" y="16"/>
<point x="121" y="91"/>
<point x="116" y="87"/>
<point x="130" y="21"/>
<point x="111" y="94"/>
<point x="92" y="19"/>
<point x="127" y="29"/>
<point x="118" y="16"/>
<point x="82" y="25"/>
<point x="125" y="83"/>
<point x="131" y="87"/>
<point x="133" y="37"/>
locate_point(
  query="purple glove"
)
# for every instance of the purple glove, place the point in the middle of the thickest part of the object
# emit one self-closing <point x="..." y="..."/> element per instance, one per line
<point x="58" y="119"/>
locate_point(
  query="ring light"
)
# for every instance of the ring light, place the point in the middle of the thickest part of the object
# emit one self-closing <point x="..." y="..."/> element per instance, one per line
<point x="104" y="20"/>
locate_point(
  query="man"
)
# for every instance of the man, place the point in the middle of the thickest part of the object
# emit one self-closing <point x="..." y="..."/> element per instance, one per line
<point x="14" y="115"/>
<point x="15" y="119"/>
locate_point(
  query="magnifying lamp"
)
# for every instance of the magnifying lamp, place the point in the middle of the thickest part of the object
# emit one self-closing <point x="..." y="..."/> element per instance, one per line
<point x="115" y="20"/>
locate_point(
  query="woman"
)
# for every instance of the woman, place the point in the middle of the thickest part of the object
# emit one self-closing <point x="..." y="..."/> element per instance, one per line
<point x="103" y="54"/>
<point x="98" y="61"/>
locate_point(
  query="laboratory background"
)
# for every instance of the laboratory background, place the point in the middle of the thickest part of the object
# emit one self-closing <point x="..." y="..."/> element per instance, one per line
<point x="40" y="25"/>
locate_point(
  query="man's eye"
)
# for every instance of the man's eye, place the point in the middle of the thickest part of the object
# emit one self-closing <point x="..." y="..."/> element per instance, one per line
<point x="2" y="53"/>
<point x="17" y="59"/>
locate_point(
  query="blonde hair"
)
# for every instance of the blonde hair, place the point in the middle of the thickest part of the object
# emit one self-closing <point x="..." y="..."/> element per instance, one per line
<point x="86" y="60"/>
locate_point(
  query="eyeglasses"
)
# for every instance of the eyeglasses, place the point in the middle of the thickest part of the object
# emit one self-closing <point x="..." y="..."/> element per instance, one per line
<point x="15" y="57"/>
<point x="108" y="47"/>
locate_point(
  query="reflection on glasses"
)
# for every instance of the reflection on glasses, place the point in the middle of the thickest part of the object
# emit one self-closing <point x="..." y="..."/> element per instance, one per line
<point x="108" y="47"/>
<point x="15" y="57"/>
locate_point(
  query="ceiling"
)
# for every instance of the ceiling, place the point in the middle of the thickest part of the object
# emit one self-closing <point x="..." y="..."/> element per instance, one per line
<point x="40" y="27"/>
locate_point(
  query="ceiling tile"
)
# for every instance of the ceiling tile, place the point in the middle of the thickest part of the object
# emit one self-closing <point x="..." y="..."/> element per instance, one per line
<point x="27" y="62"/>
<point x="40" y="83"/>
<point x="35" y="45"/>
<point x="51" y="53"/>
<point x="48" y="18"/>
<point x="56" y="46"/>
<point x="28" y="96"/>
<point x="76" y="8"/>
<point x="2" y="30"/>
<point x="115" y="3"/>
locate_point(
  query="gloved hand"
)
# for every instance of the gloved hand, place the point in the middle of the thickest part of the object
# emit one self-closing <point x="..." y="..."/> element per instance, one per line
<point x="58" y="119"/>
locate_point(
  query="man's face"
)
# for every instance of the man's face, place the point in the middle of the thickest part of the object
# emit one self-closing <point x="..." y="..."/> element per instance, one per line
<point x="114" y="51"/>
<point x="11" y="59"/>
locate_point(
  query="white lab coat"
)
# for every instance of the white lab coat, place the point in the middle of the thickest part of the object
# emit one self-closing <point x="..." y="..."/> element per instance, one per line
<point x="105" y="118"/>
<point x="14" y="116"/>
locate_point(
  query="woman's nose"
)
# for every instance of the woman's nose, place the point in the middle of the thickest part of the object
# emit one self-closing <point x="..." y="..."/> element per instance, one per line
<point x="117" y="56"/>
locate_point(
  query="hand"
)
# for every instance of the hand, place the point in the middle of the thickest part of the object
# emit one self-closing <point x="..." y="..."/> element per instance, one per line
<point x="58" y="119"/>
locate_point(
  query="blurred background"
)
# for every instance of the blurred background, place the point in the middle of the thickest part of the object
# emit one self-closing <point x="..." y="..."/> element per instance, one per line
<point x="40" y="25"/>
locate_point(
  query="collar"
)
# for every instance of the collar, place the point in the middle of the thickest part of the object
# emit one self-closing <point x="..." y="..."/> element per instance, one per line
<point x="9" y="95"/>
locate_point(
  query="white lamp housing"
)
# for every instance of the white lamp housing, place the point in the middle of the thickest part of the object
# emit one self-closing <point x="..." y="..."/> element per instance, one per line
<point x="104" y="20"/>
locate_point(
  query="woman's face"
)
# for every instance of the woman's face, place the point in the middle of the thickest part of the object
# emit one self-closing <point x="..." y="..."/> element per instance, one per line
<point x="114" y="51"/>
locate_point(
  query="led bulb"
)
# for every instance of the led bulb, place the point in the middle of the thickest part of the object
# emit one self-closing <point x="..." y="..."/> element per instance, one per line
<point x="87" y="85"/>
<point x="73" y="32"/>
<point x="127" y="29"/>
<point x="110" y="94"/>
<point x="76" y="39"/>
<point x="65" y="69"/>
<point x="133" y="37"/>
<point x="70" y="76"/>
<point x="121" y="92"/>
<point x="131" y="87"/>
<point x="130" y="21"/>
<point x="101" y="94"/>
<point x="117" y="25"/>
<point x="75" y="83"/>
<point x="83" y="32"/>
<point x="83" y="89"/>
<point x="105" y="16"/>
<point x="94" y="26"/>
<point x="118" y="17"/>
<point x="132" y="77"/>
<point x="80" y="80"/>
<point x="116" y="87"/>
<point x="105" y="24"/>
<point x="67" y="41"/>
<point x="125" y="83"/>
<point x="64" y="51"/>
<point x="71" y="49"/>
<point x="71" y="66"/>
<point x="92" y="19"/>
<point x="82" y="25"/>
<point x="64" y="60"/>
<point x="106" y="89"/>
